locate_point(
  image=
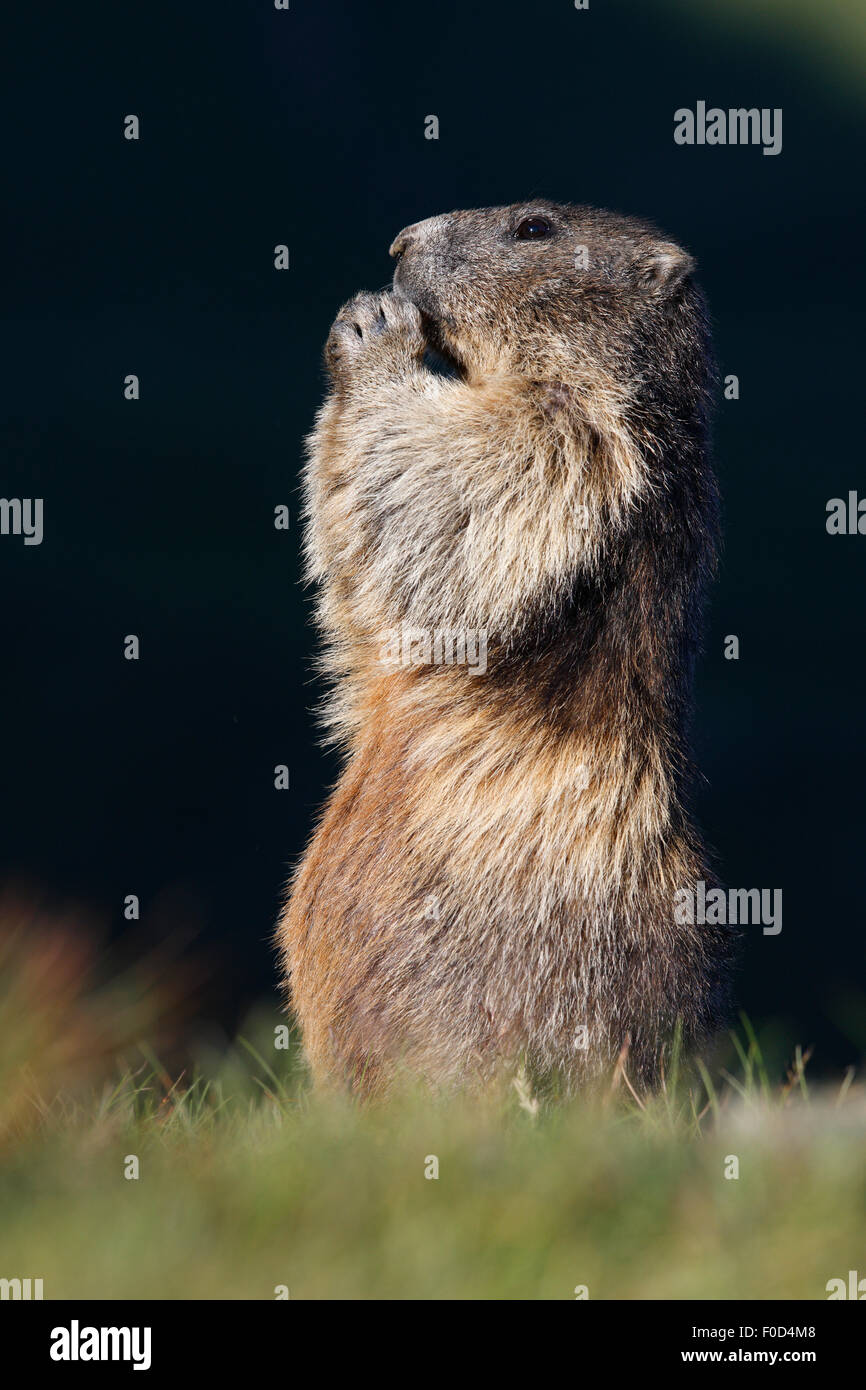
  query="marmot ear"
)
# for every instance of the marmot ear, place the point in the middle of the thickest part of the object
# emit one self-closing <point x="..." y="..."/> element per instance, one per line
<point x="663" y="267"/>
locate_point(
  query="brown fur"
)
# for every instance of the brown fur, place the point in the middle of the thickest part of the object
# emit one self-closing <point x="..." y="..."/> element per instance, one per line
<point x="495" y="871"/>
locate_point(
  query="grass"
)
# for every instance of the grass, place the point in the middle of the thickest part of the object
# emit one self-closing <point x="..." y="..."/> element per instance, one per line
<point x="247" y="1182"/>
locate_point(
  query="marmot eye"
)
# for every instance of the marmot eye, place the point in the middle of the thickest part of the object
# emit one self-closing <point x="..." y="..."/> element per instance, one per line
<point x="533" y="228"/>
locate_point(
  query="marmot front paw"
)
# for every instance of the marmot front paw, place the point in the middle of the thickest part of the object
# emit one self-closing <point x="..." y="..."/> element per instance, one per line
<point x="374" y="329"/>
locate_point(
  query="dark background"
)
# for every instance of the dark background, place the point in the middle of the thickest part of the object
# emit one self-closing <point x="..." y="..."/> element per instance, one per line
<point x="156" y="258"/>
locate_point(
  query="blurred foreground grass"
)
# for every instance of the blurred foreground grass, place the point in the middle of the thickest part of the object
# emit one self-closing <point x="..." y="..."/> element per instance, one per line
<point x="247" y="1183"/>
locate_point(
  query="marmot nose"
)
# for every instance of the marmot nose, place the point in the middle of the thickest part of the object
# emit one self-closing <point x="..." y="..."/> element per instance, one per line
<point x="400" y="245"/>
<point x="406" y="238"/>
<point x="421" y="236"/>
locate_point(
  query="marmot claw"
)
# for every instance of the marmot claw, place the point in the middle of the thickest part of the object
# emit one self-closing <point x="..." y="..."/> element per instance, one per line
<point x="374" y="323"/>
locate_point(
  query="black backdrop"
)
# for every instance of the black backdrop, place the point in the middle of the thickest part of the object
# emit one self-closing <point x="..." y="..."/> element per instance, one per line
<point x="155" y="257"/>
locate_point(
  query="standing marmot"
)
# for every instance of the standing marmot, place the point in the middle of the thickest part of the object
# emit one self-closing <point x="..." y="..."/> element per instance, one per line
<point x="495" y="872"/>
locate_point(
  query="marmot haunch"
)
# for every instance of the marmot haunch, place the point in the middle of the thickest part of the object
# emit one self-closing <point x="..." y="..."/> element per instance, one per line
<point x="514" y="445"/>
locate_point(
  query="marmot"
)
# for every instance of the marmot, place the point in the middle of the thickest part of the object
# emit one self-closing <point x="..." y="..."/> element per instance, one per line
<point x="513" y="454"/>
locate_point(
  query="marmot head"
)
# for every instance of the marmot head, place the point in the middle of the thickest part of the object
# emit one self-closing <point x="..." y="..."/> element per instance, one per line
<point x="600" y="316"/>
<point x="546" y="289"/>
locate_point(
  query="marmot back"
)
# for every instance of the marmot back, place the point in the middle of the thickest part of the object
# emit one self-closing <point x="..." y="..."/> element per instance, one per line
<point x="511" y="517"/>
